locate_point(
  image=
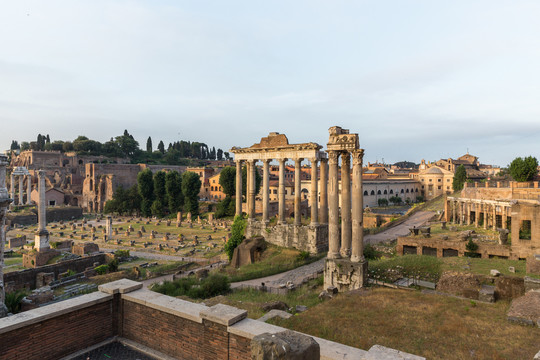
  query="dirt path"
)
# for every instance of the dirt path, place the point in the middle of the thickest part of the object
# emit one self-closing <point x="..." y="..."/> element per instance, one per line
<point x="418" y="219"/>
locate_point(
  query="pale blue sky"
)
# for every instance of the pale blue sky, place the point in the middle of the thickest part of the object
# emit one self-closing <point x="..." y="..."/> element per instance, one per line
<point x="416" y="79"/>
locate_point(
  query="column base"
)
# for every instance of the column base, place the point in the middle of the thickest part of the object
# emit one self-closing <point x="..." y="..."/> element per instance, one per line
<point x="42" y="241"/>
<point x="357" y="259"/>
<point x="344" y="274"/>
<point x="335" y="255"/>
<point x="345" y="253"/>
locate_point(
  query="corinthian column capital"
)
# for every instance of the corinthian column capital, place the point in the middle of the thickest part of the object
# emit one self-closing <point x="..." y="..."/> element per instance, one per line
<point x="358" y="157"/>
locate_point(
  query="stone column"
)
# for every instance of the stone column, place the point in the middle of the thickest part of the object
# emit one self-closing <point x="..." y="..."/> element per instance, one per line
<point x="42" y="235"/>
<point x="346" y="226"/>
<point x="476" y="214"/>
<point x="4" y="202"/>
<point x="252" y="189"/>
<point x="21" y="189"/>
<point x="281" y="192"/>
<point x="504" y="217"/>
<point x="468" y="213"/>
<point x="323" y="211"/>
<point x="297" y="191"/>
<point x="239" y="188"/>
<point x="266" y="189"/>
<point x="484" y="208"/>
<point x="28" y="189"/>
<point x="12" y="187"/>
<point x="108" y="227"/>
<point x="494" y="217"/>
<point x="454" y="212"/>
<point x="333" y="205"/>
<point x="357" y="251"/>
<point x="314" y="193"/>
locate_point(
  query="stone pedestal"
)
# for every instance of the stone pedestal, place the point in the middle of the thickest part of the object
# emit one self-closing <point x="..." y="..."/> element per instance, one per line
<point x="344" y="274"/>
<point x="42" y="240"/>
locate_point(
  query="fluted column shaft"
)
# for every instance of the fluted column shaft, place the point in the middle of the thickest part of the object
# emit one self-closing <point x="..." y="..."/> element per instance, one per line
<point x="323" y="211"/>
<point x="238" y="188"/>
<point x="42" y="207"/>
<point x="21" y="189"/>
<point x="266" y="188"/>
<point x="251" y="188"/>
<point x="346" y="225"/>
<point x="28" y="189"/>
<point x="297" y="192"/>
<point x="281" y="192"/>
<point x="333" y="206"/>
<point x="357" y="251"/>
<point x="314" y="193"/>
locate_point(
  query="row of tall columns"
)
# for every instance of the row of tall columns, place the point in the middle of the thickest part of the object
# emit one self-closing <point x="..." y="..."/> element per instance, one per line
<point x="4" y="202"/>
<point x="318" y="214"/>
<point x="20" y="179"/>
<point x="351" y="241"/>
<point x="461" y="214"/>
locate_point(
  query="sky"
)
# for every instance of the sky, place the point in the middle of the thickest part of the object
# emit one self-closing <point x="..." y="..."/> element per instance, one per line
<point x="415" y="79"/>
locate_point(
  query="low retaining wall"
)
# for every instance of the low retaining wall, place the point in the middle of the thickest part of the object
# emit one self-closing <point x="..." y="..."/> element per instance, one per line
<point x="27" y="278"/>
<point x="176" y="328"/>
<point x="313" y="239"/>
<point x="53" y="214"/>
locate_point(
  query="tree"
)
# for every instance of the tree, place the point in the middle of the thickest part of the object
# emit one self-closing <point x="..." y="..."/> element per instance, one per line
<point x="227" y="180"/>
<point x="219" y="154"/>
<point x="127" y="144"/>
<point x="173" y="187"/>
<point x="191" y="186"/>
<point x="459" y="178"/>
<point x="161" y="147"/>
<point x="25" y="145"/>
<point x="383" y="202"/>
<point x="157" y="209"/>
<point x="145" y="185"/>
<point x="159" y="187"/>
<point x="523" y="169"/>
<point x="237" y="235"/>
<point x="149" y="145"/>
<point x="226" y="155"/>
<point x="14" y="145"/>
<point x="395" y="200"/>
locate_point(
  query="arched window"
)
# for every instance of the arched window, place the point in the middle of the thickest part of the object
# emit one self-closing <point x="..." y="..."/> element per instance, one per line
<point x="402" y="191"/>
<point x="416" y="189"/>
<point x="366" y="193"/>
<point x="385" y="192"/>
<point x="379" y="192"/>
<point x="407" y="191"/>
<point x="372" y="192"/>
<point x="391" y="191"/>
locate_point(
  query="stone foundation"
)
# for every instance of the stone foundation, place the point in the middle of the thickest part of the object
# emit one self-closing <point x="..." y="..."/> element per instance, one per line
<point x="344" y="274"/>
<point x="313" y="239"/>
<point x="39" y="258"/>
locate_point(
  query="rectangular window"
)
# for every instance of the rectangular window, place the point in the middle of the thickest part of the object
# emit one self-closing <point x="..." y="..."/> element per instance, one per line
<point x="525" y="230"/>
<point x="439" y="180"/>
<point x="439" y="187"/>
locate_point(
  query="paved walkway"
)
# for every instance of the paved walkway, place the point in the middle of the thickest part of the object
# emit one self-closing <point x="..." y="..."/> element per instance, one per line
<point x="418" y="219"/>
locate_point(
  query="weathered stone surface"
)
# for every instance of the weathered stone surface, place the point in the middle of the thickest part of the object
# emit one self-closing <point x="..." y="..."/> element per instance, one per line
<point x="86" y="248"/>
<point x="278" y="305"/>
<point x="509" y="287"/>
<point x="286" y="345"/>
<point x="487" y="293"/>
<point x="378" y="352"/>
<point x="324" y="295"/>
<point x="531" y="283"/>
<point x="533" y="264"/>
<point x="248" y="252"/>
<point x="526" y="309"/>
<point x="223" y="314"/>
<point x="458" y="283"/>
<point x="344" y="274"/>
<point x="274" y="313"/>
<point x="301" y="308"/>
<point x="494" y="272"/>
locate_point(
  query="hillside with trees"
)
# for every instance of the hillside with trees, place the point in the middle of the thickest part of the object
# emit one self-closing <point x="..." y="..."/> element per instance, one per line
<point x="125" y="146"/>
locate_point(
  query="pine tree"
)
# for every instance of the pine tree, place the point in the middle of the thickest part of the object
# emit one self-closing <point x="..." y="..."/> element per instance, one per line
<point x="149" y="145"/>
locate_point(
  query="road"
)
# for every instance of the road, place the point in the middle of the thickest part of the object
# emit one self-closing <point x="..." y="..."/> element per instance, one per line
<point x="418" y="219"/>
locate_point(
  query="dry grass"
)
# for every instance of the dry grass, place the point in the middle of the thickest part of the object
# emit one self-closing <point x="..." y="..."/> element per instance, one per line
<point x="432" y="326"/>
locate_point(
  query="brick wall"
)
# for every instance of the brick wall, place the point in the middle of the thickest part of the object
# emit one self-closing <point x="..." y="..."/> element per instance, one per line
<point x="59" y="336"/>
<point x="179" y="337"/>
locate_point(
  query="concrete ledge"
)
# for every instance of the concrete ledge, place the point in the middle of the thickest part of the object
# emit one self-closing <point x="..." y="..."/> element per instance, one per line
<point x="122" y="286"/>
<point x="167" y="304"/>
<point x="223" y="314"/>
<point x="330" y="350"/>
<point x="378" y="352"/>
<point x="51" y="311"/>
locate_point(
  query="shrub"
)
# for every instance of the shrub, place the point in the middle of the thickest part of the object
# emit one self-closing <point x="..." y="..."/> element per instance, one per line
<point x="370" y="253"/>
<point x="121" y="254"/>
<point x="13" y="300"/>
<point x="215" y="284"/>
<point x="71" y="272"/>
<point x="471" y="246"/>
<point x="237" y="235"/>
<point x="113" y="266"/>
<point x="101" y="269"/>
<point x="302" y="256"/>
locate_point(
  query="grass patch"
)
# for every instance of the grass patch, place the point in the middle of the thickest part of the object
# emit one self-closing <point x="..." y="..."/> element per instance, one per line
<point x="274" y="260"/>
<point x="432" y="326"/>
<point x="483" y="266"/>
<point x="252" y="300"/>
<point x="215" y="284"/>
<point x="421" y="267"/>
<point x="13" y="261"/>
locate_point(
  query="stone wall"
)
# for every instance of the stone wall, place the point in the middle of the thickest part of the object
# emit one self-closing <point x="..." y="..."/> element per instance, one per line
<point x="313" y="239"/>
<point x="53" y="214"/>
<point x="27" y="278"/>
